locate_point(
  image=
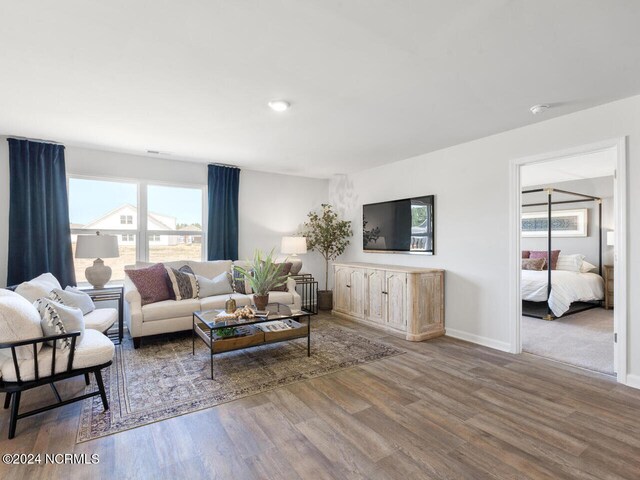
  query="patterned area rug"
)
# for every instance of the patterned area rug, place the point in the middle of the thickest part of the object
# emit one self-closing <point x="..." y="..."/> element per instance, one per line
<point x="162" y="379"/>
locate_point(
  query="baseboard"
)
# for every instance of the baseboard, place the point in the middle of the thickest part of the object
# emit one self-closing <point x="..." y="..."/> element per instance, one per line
<point x="633" y="381"/>
<point x="484" y="341"/>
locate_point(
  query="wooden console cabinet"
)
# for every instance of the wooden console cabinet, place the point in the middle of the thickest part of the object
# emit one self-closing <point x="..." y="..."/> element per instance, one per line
<point x="405" y="301"/>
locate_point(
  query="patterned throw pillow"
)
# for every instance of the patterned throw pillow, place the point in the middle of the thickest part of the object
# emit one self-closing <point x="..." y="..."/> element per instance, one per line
<point x="526" y="253"/>
<point x="58" y="319"/>
<point x="285" y="268"/>
<point x="534" y="263"/>
<point x="543" y="254"/>
<point x="183" y="284"/>
<point x="240" y="283"/>
<point x="151" y="283"/>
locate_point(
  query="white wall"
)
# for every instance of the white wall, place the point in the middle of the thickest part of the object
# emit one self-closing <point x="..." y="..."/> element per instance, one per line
<point x="270" y="205"/>
<point x="471" y="184"/>
<point x="598" y="187"/>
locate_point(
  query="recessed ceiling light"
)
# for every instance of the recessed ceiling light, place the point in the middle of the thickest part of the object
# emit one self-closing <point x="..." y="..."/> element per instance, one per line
<point x="536" y="109"/>
<point x="279" y="105"/>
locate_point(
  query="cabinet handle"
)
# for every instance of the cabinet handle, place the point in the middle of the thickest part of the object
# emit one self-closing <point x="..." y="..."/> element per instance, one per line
<point x="385" y="293"/>
<point x="348" y="286"/>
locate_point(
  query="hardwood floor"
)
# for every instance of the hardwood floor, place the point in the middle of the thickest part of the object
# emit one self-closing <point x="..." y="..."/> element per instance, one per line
<point x="445" y="409"/>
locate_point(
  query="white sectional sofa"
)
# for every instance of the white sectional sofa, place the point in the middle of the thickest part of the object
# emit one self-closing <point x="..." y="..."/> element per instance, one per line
<point x="174" y="316"/>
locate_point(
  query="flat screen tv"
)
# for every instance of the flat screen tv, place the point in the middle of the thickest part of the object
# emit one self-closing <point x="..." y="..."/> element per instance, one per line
<point x="399" y="226"/>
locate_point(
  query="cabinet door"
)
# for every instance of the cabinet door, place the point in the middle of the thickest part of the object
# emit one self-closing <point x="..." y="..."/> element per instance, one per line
<point x="356" y="302"/>
<point x="376" y="301"/>
<point x="342" y="294"/>
<point x="396" y="299"/>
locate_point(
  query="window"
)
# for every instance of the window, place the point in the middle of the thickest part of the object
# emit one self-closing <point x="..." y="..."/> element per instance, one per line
<point x="173" y="214"/>
<point x="174" y="217"/>
<point x="99" y="205"/>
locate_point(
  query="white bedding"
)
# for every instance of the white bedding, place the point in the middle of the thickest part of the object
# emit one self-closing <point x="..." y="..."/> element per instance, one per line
<point x="566" y="288"/>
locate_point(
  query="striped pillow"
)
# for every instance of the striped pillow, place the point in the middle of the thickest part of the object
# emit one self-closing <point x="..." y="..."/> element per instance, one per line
<point x="571" y="263"/>
<point x="183" y="284"/>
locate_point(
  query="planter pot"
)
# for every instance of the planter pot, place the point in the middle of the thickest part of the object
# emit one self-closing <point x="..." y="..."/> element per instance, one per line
<point x="260" y="301"/>
<point x="325" y="299"/>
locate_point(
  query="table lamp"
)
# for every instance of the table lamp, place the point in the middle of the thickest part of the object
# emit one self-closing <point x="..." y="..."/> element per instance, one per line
<point x="97" y="246"/>
<point x="293" y="246"/>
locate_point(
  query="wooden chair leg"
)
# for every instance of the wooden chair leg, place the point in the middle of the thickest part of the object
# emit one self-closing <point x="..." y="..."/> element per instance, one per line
<point x="103" y="393"/>
<point x="87" y="380"/>
<point x="15" y="406"/>
<point x="7" y="400"/>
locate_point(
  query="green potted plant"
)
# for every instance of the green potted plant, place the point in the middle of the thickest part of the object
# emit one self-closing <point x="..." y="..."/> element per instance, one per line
<point x="329" y="236"/>
<point x="263" y="274"/>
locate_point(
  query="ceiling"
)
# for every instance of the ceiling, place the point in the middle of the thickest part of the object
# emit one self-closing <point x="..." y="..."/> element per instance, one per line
<point x="601" y="163"/>
<point x="370" y="81"/>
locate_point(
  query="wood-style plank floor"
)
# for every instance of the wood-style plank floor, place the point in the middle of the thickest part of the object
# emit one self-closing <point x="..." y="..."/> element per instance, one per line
<point x="446" y="409"/>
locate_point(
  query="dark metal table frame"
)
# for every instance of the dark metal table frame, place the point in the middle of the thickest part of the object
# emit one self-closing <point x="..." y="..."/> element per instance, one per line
<point x="308" y="291"/>
<point x="107" y="294"/>
<point x="242" y="323"/>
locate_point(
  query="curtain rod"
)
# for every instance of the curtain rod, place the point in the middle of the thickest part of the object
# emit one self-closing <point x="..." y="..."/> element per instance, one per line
<point x="224" y="165"/>
<point x="39" y="140"/>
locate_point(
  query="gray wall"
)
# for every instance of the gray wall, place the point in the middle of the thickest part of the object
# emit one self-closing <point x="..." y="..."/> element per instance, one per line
<point x="588" y="246"/>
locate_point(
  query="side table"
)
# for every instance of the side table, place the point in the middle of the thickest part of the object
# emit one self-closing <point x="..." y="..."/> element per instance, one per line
<point x="107" y="294"/>
<point x="308" y="291"/>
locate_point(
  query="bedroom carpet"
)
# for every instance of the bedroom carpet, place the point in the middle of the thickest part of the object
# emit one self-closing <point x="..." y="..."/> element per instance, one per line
<point x="162" y="379"/>
<point x="584" y="339"/>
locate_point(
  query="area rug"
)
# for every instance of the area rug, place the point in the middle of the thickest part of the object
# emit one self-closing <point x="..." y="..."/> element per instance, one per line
<point x="162" y="379"/>
<point x="584" y="339"/>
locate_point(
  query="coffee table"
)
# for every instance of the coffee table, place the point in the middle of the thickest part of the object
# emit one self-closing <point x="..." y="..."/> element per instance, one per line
<point x="207" y="324"/>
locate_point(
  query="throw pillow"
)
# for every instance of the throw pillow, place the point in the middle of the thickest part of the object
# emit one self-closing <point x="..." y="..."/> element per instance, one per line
<point x="284" y="269"/>
<point x="525" y="253"/>
<point x="57" y="319"/>
<point x="219" y="285"/>
<point x="183" y="284"/>
<point x="73" y="297"/>
<point x="19" y="320"/>
<point x="586" y="267"/>
<point x="184" y="269"/>
<point x="39" y="287"/>
<point x="151" y="283"/>
<point x="534" y="263"/>
<point x="543" y="254"/>
<point x="571" y="263"/>
<point x="240" y="283"/>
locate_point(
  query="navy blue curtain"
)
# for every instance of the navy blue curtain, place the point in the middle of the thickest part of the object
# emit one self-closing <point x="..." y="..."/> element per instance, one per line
<point x="222" y="236"/>
<point x="39" y="232"/>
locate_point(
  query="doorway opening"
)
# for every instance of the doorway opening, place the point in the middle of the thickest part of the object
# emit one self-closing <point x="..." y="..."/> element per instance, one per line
<point x="568" y="257"/>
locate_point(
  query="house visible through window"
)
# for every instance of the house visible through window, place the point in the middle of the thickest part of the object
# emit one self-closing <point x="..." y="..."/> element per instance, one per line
<point x="173" y="229"/>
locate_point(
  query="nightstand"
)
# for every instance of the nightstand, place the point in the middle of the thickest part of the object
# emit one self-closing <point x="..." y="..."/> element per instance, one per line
<point x="608" y="286"/>
<point x="108" y="294"/>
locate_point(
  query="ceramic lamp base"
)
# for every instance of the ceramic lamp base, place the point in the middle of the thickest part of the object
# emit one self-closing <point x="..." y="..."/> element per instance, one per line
<point x="98" y="274"/>
<point x="296" y="265"/>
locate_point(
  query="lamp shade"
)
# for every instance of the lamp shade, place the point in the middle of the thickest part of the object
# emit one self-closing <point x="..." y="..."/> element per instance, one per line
<point x="97" y="246"/>
<point x="611" y="236"/>
<point x="293" y="245"/>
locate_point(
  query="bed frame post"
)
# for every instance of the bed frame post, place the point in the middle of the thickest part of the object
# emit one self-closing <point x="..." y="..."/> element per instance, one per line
<point x="549" y="191"/>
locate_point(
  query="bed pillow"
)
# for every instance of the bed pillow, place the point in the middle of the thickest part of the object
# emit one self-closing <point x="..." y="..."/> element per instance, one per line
<point x="73" y="297"/>
<point x="219" y="285"/>
<point x="534" y="263"/>
<point x="526" y="253"/>
<point x="586" y="267"/>
<point x="543" y="254"/>
<point x="570" y="263"/>
<point x="151" y="283"/>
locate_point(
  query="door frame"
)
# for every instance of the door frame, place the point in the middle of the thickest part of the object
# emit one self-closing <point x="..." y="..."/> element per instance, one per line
<point x="621" y="308"/>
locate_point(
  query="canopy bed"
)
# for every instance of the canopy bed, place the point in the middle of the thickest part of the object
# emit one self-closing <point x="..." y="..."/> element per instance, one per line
<point x="549" y="293"/>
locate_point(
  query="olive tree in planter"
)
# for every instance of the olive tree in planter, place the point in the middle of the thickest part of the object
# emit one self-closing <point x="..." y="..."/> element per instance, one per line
<point x="329" y="235"/>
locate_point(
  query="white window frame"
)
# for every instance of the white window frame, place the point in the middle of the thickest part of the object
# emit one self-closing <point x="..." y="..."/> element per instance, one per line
<point x="141" y="232"/>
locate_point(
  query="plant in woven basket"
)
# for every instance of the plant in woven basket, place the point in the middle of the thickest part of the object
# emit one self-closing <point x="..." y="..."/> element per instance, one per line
<point x="327" y="234"/>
